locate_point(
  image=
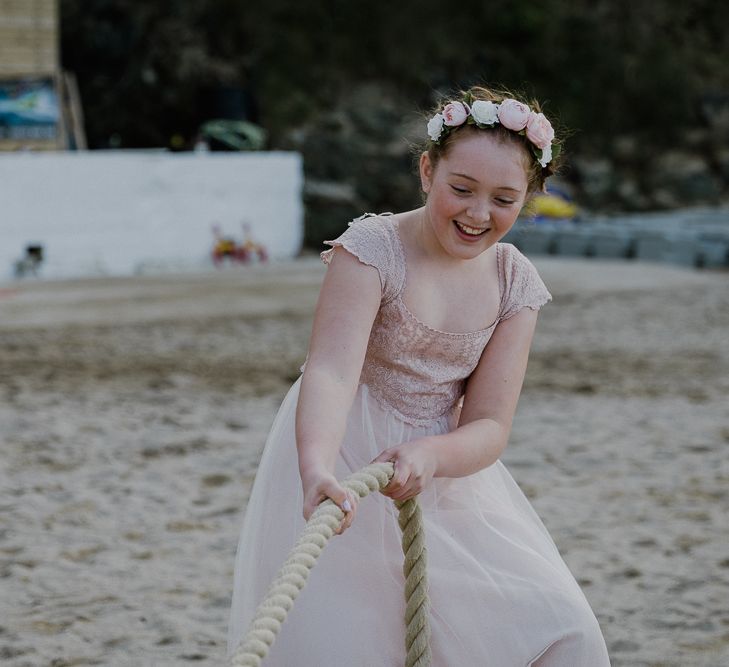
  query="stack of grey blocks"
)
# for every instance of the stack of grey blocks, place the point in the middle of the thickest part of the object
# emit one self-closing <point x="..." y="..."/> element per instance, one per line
<point x="695" y="238"/>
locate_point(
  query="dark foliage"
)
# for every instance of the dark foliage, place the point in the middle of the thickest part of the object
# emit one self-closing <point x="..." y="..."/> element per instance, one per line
<point x="151" y="70"/>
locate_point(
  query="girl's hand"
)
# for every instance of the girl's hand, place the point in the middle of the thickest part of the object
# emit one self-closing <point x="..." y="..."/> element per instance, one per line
<point x="320" y="484"/>
<point x="415" y="464"/>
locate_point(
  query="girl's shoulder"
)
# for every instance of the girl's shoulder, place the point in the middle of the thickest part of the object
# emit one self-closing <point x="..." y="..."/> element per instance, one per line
<point x="379" y="223"/>
<point x="512" y="257"/>
<point x="522" y="285"/>
<point x="372" y="238"/>
<point x="368" y="234"/>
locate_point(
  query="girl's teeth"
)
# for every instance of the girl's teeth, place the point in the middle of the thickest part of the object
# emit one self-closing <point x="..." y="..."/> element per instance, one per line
<point x="469" y="230"/>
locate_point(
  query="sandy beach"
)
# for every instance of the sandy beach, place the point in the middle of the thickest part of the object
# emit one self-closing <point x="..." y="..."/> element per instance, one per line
<point x="133" y="412"/>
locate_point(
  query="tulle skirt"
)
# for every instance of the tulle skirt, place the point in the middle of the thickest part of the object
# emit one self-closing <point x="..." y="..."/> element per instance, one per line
<point x="501" y="594"/>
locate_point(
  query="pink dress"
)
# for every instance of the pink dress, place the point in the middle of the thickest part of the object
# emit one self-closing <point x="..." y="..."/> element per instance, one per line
<point x="500" y="592"/>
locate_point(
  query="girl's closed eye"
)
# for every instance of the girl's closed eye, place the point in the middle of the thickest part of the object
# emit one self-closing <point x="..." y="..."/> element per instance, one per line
<point x="461" y="191"/>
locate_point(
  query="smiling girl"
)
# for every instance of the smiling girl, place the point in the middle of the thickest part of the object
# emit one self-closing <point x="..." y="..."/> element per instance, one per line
<point x="417" y="356"/>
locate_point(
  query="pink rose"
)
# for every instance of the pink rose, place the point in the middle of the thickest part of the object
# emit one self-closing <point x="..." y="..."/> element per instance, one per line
<point x="454" y="113"/>
<point x="513" y="115"/>
<point x="539" y="130"/>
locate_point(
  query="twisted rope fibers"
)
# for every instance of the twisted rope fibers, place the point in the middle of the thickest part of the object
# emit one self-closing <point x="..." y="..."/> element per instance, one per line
<point x="319" y="529"/>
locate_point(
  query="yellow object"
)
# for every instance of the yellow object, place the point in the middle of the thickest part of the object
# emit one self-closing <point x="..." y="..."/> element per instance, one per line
<point x="551" y="207"/>
<point x="225" y="247"/>
<point x="320" y="527"/>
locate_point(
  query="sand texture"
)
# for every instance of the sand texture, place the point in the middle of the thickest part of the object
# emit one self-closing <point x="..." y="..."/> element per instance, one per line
<point x="133" y="412"/>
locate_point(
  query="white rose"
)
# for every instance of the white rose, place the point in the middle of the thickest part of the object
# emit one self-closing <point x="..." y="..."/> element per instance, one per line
<point x="484" y="112"/>
<point x="435" y="126"/>
<point x="546" y="155"/>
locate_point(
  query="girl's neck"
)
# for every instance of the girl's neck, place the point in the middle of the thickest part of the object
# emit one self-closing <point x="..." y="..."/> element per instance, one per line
<point x="420" y="233"/>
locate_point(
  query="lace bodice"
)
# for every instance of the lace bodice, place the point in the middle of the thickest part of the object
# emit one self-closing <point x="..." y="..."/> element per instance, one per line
<point x="415" y="371"/>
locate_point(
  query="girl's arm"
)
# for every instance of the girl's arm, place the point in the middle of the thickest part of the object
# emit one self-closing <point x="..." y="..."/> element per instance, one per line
<point x="490" y="400"/>
<point x="346" y="308"/>
<point x="485" y="422"/>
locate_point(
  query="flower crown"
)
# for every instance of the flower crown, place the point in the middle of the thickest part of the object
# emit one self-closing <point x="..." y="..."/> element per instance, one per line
<point x="512" y="114"/>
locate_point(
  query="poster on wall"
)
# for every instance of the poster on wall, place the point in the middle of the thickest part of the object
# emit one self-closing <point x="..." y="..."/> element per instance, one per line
<point x="30" y="113"/>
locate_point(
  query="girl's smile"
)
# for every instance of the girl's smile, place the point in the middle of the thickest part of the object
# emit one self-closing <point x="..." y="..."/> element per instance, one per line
<point x="470" y="233"/>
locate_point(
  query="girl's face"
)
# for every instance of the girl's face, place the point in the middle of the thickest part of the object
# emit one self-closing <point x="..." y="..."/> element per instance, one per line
<point x="474" y="193"/>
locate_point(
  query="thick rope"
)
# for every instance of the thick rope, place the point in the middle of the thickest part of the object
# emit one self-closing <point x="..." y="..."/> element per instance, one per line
<point x="320" y="527"/>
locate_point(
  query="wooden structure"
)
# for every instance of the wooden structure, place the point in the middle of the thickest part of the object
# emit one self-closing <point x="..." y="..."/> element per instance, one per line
<point x="29" y="42"/>
<point x="39" y="103"/>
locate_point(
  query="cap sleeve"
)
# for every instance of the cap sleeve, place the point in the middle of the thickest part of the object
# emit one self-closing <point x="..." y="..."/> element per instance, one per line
<point x="368" y="239"/>
<point x="524" y="286"/>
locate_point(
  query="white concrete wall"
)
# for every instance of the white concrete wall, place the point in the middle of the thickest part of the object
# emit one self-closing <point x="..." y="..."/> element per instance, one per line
<point x="125" y="212"/>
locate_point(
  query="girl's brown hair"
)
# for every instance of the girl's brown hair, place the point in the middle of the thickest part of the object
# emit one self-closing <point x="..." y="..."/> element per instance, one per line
<point x="536" y="174"/>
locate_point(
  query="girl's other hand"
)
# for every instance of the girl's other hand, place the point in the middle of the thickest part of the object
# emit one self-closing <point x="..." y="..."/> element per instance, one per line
<point x="320" y="485"/>
<point x="415" y="464"/>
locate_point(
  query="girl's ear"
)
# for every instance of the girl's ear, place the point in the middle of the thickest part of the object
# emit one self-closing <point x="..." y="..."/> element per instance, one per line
<point x="426" y="172"/>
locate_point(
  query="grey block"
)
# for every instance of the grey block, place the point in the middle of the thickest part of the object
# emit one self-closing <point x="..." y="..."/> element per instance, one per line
<point x="714" y="252"/>
<point x="684" y="251"/>
<point x="652" y="246"/>
<point x="614" y="244"/>
<point x="536" y="240"/>
<point x="513" y="236"/>
<point x="572" y="242"/>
